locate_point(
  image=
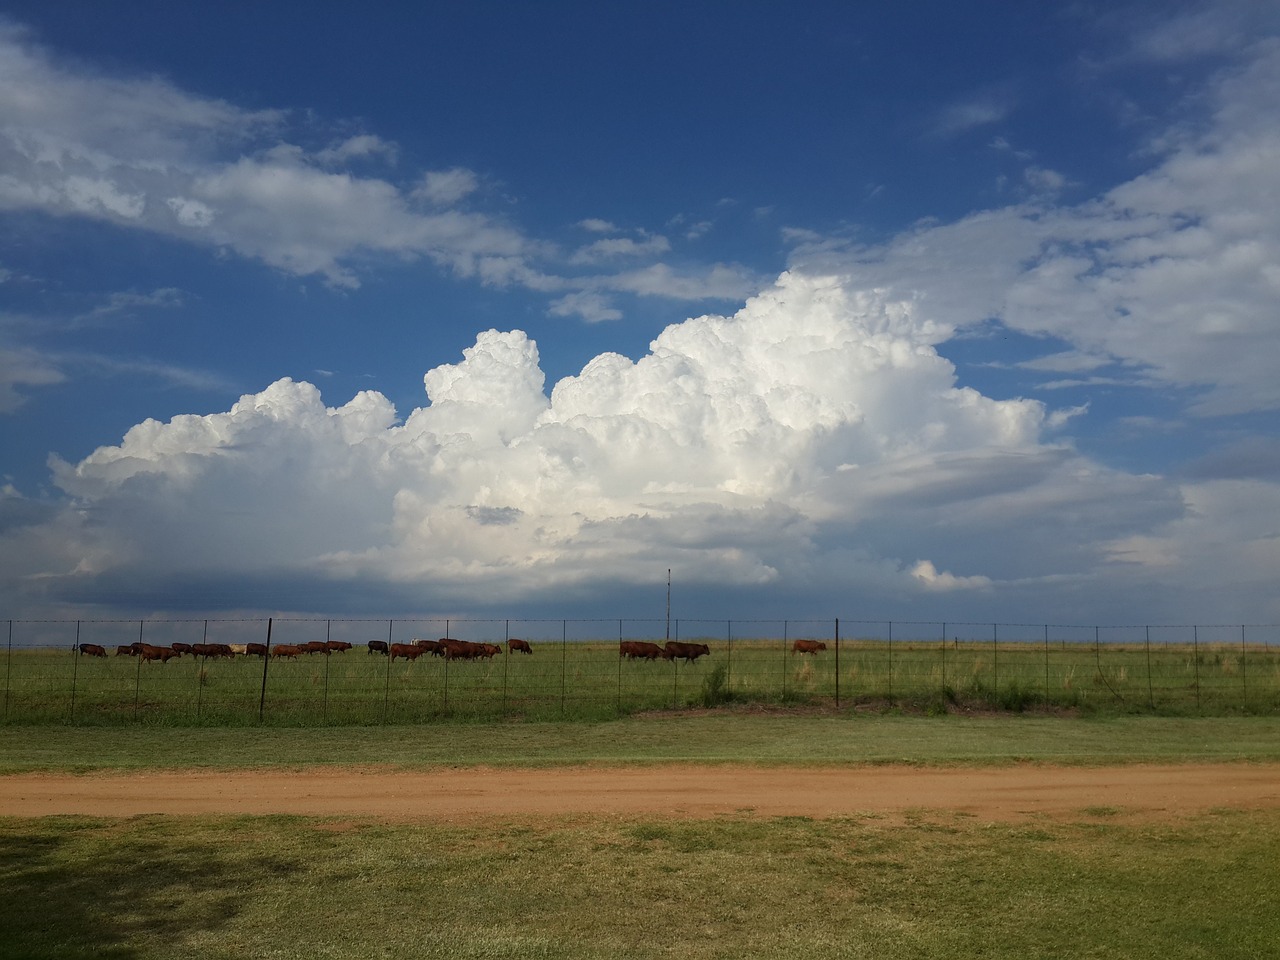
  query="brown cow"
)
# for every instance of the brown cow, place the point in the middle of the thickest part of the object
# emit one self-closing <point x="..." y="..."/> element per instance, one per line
<point x="461" y="649"/>
<point x="337" y="646"/>
<point x="808" y="646"/>
<point x="181" y="647"/>
<point x="518" y="646"/>
<point x="290" y="650"/>
<point x="314" y="646"/>
<point x="639" y="650"/>
<point x="378" y="646"/>
<point x="430" y="646"/>
<point x="688" y="652"/>
<point x="406" y="650"/>
<point x="92" y="650"/>
<point x="149" y="653"/>
<point x="128" y="650"/>
<point x="255" y="649"/>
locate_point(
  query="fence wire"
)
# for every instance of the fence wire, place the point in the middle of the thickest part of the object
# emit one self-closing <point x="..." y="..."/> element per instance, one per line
<point x="88" y="672"/>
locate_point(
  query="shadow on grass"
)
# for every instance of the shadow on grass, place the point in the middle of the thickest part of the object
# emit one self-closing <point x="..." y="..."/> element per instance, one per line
<point x="72" y="887"/>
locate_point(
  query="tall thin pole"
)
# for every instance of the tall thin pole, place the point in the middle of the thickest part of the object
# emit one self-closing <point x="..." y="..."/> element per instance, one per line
<point x="8" y="670"/>
<point x="837" y="663"/>
<point x="262" y="697"/>
<point x="1195" y="650"/>
<point x="137" y="680"/>
<point x="74" y="667"/>
<point x="668" y="603"/>
<point x="328" y="655"/>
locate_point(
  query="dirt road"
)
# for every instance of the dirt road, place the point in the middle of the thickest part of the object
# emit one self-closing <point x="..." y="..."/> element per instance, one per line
<point x="992" y="793"/>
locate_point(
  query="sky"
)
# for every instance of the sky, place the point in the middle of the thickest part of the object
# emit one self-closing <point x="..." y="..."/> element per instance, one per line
<point x="962" y="311"/>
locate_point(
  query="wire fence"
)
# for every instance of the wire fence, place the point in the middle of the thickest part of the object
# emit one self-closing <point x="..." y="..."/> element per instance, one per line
<point x="220" y="672"/>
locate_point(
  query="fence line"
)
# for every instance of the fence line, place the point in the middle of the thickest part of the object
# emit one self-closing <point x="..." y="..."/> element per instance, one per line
<point x="1231" y="668"/>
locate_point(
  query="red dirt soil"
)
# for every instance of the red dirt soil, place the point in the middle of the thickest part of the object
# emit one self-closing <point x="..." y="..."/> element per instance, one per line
<point x="1016" y="793"/>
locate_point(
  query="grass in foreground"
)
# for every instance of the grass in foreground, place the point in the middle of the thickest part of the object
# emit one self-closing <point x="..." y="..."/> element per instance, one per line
<point x="779" y="888"/>
<point x="717" y="736"/>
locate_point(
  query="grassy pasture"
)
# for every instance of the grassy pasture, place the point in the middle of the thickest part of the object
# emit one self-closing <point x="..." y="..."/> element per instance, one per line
<point x="932" y="887"/>
<point x="732" y="735"/>
<point x="585" y="679"/>
<point x="923" y="885"/>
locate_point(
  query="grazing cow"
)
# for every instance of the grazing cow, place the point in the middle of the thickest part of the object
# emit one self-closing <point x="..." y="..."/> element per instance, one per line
<point x="181" y="647"/>
<point x="406" y="650"/>
<point x="337" y="646"/>
<point x="149" y="653"/>
<point x="459" y="649"/>
<point x="290" y="650"/>
<point x="255" y="649"/>
<point x="378" y="646"/>
<point x="128" y="650"/>
<point x="92" y="650"/>
<point x="314" y="646"/>
<point x="518" y="646"/>
<point x="639" y="650"/>
<point x="808" y="646"/>
<point x="688" y="652"/>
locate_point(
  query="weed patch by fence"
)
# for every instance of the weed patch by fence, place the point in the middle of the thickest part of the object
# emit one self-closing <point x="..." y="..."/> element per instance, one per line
<point x="48" y="675"/>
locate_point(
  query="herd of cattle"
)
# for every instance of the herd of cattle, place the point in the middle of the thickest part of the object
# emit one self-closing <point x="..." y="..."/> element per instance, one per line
<point x="445" y="647"/>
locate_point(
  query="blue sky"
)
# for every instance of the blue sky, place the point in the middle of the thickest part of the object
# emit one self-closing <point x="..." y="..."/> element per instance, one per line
<point x="932" y="311"/>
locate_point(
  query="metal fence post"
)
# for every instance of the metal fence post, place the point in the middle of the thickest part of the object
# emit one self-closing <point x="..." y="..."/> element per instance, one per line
<point x="564" y="661"/>
<point x="995" y="660"/>
<point x="200" y="675"/>
<point x="328" y="655"/>
<point x="1195" y="648"/>
<point x="619" y="667"/>
<point x="837" y="663"/>
<point x="728" y="670"/>
<point x="8" y="670"/>
<point x="1244" y="669"/>
<point x="1046" y="664"/>
<point x="262" y="697"/>
<point x="891" y="663"/>
<point x="75" y="666"/>
<point x="1151" y="692"/>
<point x="943" y="691"/>
<point x="386" y="690"/>
<point x="784" y="659"/>
<point x="137" y="680"/>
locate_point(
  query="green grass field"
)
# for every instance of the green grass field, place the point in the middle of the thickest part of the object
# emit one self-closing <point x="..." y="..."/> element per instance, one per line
<point x="587" y="680"/>
<point x="732" y="735"/>
<point x="940" y="885"/>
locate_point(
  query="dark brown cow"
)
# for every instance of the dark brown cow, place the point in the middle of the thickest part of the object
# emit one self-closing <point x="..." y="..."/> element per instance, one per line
<point x="337" y="646"/>
<point x="378" y="646"/>
<point x="208" y="650"/>
<point x="489" y="650"/>
<point x="808" y="646"/>
<point x="430" y="646"/>
<point x="92" y="650"/>
<point x="128" y="650"/>
<point x="290" y="650"/>
<point x="255" y="649"/>
<point x="406" y="650"/>
<point x="461" y="649"/>
<point x="149" y="653"/>
<point x="688" y="652"/>
<point x="518" y="646"/>
<point x="639" y="650"/>
<point x="314" y="646"/>
<point x="181" y="647"/>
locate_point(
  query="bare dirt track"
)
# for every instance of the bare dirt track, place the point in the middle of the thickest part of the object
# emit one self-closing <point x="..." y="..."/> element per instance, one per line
<point x="1148" y="792"/>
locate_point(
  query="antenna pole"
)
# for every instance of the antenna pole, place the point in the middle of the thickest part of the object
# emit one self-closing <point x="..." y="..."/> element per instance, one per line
<point x="668" y="603"/>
